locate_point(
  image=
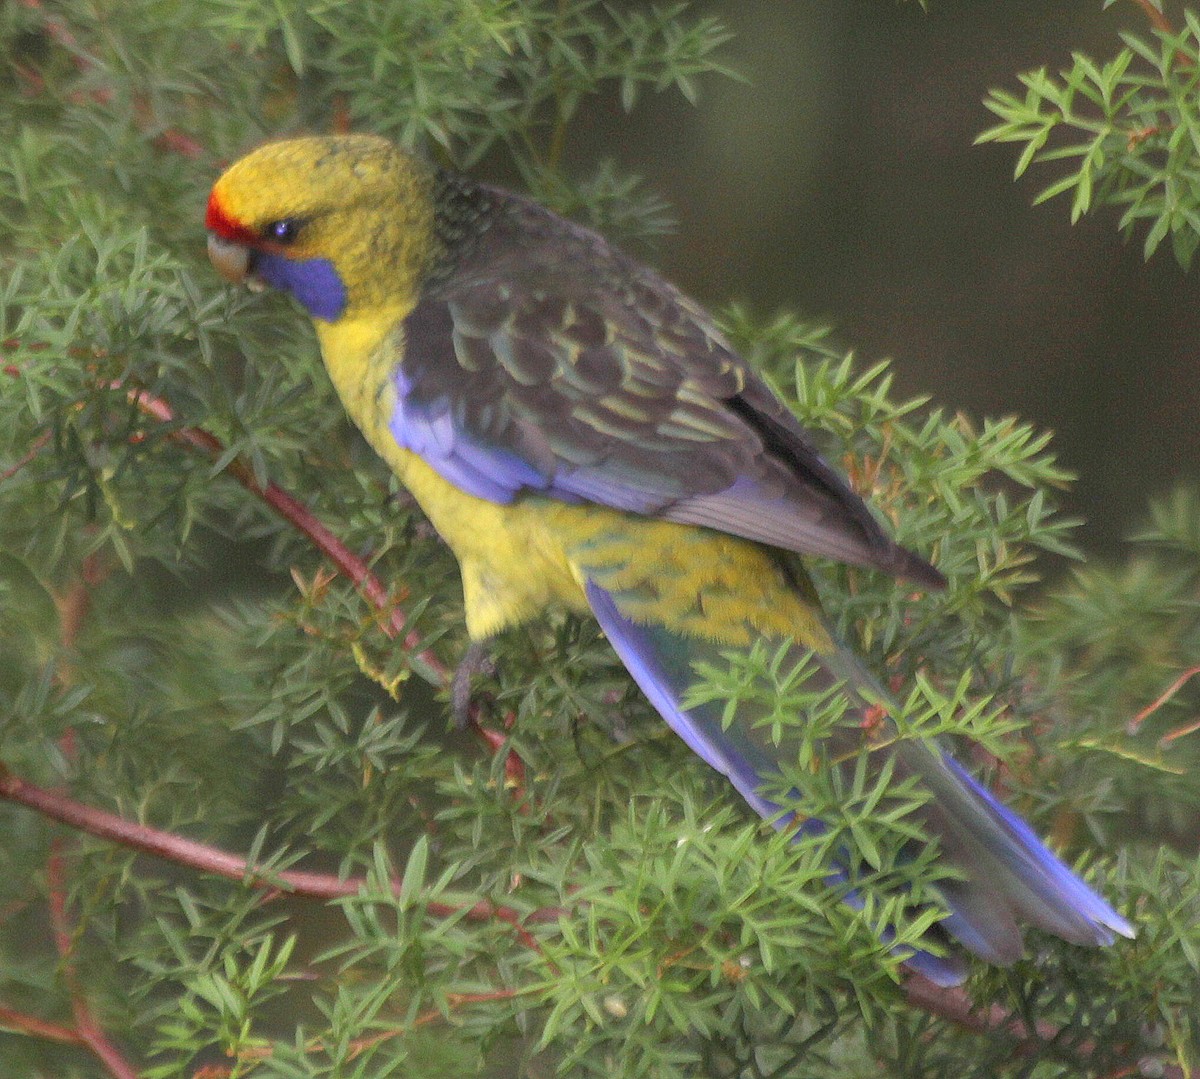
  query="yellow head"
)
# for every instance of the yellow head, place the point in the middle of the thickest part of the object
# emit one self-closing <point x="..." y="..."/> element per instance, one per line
<point x="345" y="223"/>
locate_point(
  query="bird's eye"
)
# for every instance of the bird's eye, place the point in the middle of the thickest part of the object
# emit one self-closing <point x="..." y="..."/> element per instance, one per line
<point x="283" y="231"/>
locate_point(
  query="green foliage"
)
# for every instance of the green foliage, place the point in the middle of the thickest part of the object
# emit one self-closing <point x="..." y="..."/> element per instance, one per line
<point x="1128" y="129"/>
<point x="465" y="75"/>
<point x="1137" y="629"/>
<point x="175" y="652"/>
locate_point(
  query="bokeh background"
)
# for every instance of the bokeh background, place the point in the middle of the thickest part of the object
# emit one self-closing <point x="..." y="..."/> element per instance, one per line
<point x="840" y="180"/>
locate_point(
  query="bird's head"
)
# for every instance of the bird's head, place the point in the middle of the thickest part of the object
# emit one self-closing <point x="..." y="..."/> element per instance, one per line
<point x="344" y="223"/>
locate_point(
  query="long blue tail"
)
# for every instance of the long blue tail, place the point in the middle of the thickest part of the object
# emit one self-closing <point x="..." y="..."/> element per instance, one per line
<point x="1009" y="876"/>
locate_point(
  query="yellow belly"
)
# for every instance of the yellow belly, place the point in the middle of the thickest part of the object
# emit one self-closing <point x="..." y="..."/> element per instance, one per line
<point x="520" y="558"/>
<point x="512" y="565"/>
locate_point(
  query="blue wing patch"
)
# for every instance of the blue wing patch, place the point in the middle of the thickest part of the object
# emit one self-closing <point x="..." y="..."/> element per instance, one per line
<point x="429" y="428"/>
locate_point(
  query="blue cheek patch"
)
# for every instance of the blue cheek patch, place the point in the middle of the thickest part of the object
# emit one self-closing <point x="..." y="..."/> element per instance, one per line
<point x="314" y="282"/>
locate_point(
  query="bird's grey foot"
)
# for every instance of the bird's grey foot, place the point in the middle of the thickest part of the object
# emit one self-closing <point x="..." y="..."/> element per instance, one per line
<point x="477" y="659"/>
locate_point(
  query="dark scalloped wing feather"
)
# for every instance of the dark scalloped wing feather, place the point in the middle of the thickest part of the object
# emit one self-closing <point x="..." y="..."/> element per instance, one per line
<point x="546" y="360"/>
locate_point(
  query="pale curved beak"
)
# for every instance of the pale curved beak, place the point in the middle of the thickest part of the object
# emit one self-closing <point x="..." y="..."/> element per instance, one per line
<point x="231" y="260"/>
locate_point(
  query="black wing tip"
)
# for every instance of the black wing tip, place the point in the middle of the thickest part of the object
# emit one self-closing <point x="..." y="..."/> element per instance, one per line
<point x="912" y="567"/>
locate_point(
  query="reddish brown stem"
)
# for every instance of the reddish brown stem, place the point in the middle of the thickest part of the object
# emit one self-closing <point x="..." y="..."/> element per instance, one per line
<point x="951" y="1005"/>
<point x="1179" y="732"/>
<point x="89" y="1031"/>
<point x="1132" y="726"/>
<point x="289" y="508"/>
<point x="514" y="767"/>
<point x="12" y="1019"/>
<point x="200" y="856"/>
<point x="301" y="518"/>
<point x="360" y="1045"/>
<point x="954" y="1006"/>
<point x="73" y="608"/>
<point x="1157" y="19"/>
<point x="304" y="520"/>
<point x="454" y="1000"/>
<point x="341" y="115"/>
<point x="39" y="444"/>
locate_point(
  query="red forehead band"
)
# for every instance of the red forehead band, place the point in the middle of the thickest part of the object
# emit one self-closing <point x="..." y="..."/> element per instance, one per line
<point x="218" y="221"/>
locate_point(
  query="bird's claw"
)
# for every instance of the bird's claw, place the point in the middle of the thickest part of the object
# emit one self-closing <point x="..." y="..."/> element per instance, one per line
<point x="477" y="659"/>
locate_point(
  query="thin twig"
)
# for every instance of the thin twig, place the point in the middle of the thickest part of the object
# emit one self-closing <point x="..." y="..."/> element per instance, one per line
<point x="303" y="520"/>
<point x="35" y="448"/>
<point x="73" y="608"/>
<point x="89" y="1030"/>
<point x="1132" y="726"/>
<point x="1157" y="19"/>
<point x="954" y="1006"/>
<point x="1179" y="732"/>
<point x="306" y="522"/>
<point x="208" y="859"/>
<point x="19" y="1022"/>
<point x="1164" y="26"/>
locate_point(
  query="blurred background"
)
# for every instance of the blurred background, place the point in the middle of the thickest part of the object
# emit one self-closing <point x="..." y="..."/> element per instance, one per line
<point x="841" y="181"/>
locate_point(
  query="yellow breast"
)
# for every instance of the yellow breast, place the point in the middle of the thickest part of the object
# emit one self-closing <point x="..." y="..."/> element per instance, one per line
<point x="513" y="565"/>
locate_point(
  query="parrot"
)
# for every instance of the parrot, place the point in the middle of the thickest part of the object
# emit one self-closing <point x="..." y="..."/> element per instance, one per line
<point x="584" y="438"/>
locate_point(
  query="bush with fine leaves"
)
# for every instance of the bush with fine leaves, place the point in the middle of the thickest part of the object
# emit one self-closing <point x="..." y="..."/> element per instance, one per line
<point x="225" y="632"/>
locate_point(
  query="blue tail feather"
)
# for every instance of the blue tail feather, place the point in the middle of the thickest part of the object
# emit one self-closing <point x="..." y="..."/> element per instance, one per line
<point x="1043" y="871"/>
<point x="636" y="646"/>
<point x="1011" y="875"/>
